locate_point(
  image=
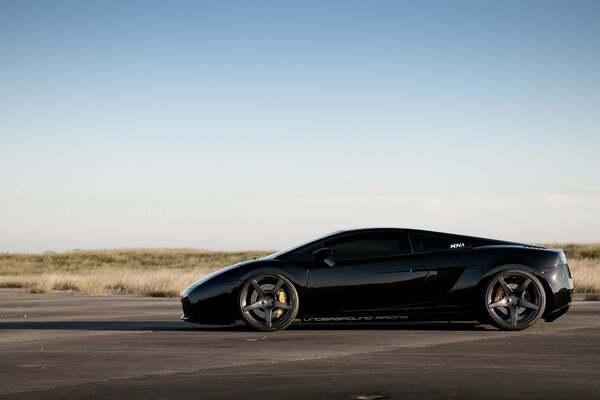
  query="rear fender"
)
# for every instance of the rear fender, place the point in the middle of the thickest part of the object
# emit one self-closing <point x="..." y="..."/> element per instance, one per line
<point x="483" y="282"/>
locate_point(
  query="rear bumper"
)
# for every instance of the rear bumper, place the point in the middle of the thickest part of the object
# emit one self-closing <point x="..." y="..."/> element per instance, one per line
<point x="559" y="288"/>
<point x="557" y="313"/>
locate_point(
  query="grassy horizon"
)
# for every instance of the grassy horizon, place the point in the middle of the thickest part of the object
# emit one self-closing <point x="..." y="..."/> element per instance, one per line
<point x="152" y="272"/>
<point x="166" y="272"/>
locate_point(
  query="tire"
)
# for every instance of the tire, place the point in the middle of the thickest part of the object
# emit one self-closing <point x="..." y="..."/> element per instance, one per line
<point x="268" y="302"/>
<point x="513" y="300"/>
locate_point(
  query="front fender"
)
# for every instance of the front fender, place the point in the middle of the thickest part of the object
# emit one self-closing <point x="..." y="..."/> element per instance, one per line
<point x="213" y="299"/>
<point x="297" y="274"/>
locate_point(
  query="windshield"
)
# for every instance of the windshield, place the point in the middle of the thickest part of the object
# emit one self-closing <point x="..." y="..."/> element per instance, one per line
<point x="300" y="245"/>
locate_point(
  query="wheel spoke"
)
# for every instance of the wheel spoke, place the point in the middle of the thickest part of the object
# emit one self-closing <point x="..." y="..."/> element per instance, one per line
<point x="501" y="303"/>
<point x="527" y="304"/>
<point x="268" y="312"/>
<point x="254" y="306"/>
<point x="258" y="289"/>
<point x="523" y="287"/>
<point x="507" y="289"/>
<point x="513" y="315"/>
<point x="279" y="304"/>
<point x="277" y="286"/>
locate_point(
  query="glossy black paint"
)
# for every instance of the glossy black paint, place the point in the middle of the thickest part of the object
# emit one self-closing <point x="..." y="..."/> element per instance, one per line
<point x="365" y="286"/>
<point x="444" y="284"/>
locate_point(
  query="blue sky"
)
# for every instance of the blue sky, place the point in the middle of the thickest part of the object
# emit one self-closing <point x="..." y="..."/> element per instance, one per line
<point x="257" y="124"/>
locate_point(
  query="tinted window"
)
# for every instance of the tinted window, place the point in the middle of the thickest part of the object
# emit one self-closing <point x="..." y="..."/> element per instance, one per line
<point x="298" y="247"/>
<point x="358" y="247"/>
<point x="424" y="243"/>
<point x="304" y="254"/>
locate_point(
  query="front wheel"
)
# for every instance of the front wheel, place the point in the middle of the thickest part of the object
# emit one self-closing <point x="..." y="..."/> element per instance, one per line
<point x="514" y="300"/>
<point x="268" y="302"/>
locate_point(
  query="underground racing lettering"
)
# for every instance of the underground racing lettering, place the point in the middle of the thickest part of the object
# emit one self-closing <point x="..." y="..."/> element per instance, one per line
<point x="354" y="319"/>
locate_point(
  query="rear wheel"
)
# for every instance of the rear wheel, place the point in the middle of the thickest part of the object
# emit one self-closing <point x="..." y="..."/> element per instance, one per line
<point x="514" y="300"/>
<point x="268" y="302"/>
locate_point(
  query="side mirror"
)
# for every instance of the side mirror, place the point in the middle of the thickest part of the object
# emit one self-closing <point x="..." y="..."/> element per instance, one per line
<point x="323" y="255"/>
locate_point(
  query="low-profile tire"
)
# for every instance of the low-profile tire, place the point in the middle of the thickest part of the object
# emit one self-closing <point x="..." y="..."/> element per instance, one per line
<point x="513" y="300"/>
<point x="268" y="302"/>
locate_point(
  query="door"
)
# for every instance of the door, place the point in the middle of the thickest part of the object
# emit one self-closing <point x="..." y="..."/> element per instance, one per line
<point x="374" y="273"/>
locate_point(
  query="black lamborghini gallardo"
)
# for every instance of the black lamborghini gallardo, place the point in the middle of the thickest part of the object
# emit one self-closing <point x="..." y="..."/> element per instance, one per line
<point x="387" y="275"/>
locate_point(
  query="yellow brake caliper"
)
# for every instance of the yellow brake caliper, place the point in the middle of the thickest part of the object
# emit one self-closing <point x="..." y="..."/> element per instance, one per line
<point x="282" y="298"/>
<point x="499" y="295"/>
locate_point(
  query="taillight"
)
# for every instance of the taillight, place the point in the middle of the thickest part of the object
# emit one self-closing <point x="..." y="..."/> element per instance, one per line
<point x="568" y="271"/>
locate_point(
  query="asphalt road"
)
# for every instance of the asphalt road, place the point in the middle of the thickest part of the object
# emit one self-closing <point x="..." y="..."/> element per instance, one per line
<point x="63" y="346"/>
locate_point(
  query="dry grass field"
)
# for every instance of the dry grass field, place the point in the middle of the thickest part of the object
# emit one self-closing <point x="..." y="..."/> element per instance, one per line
<point x="153" y="272"/>
<point x="165" y="272"/>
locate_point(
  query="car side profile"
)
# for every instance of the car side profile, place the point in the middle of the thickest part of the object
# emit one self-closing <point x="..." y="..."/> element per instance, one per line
<point x="388" y="274"/>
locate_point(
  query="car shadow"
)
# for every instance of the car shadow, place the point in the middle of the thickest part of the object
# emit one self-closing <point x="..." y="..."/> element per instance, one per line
<point x="155" y="326"/>
<point x="165" y="326"/>
<point x="408" y="326"/>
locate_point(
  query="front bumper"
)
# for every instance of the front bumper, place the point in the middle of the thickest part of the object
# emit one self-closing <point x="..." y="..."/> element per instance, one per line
<point x="215" y="310"/>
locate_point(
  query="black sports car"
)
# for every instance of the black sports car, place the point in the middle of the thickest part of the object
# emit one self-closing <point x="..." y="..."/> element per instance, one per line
<point x="387" y="275"/>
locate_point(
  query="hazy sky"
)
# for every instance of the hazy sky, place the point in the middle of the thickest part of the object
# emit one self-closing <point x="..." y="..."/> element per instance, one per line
<point x="257" y="124"/>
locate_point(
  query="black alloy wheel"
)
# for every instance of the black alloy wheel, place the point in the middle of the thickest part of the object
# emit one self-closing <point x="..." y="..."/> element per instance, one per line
<point x="268" y="302"/>
<point x="514" y="300"/>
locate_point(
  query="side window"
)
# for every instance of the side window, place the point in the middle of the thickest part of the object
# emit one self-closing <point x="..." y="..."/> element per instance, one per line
<point x="359" y="247"/>
<point x="423" y="243"/>
<point x="304" y="254"/>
